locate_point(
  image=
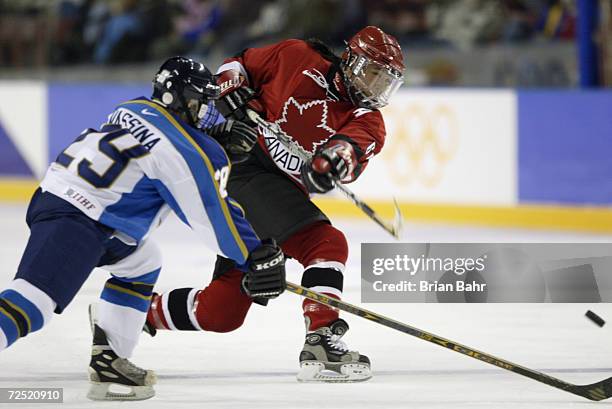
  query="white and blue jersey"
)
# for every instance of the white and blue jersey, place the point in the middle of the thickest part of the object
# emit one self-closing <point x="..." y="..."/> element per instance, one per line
<point x="145" y="162"/>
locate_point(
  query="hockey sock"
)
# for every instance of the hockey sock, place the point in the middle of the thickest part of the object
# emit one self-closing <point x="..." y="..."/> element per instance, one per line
<point x="123" y="309"/>
<point x="325" y="280"/>
<point x="174" y="310"/>
<point x="220" y="307"/>
<point x="324" y="250"/>
<point x="318" y="315"/>
<point x="23" y="309"/>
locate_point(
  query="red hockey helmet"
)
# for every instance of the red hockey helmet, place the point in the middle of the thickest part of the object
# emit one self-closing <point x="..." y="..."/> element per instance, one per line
<point x="373" y="67"/>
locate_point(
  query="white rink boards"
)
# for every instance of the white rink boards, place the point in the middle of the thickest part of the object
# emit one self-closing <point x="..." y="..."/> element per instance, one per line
<point x="254" y="367"/>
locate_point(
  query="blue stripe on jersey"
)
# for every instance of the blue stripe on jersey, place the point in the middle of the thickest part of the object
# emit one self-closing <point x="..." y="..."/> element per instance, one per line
<point x="167" y="196"/>
<point x="134" y="213"/>
<point x="204" y="155"/>
<point x="19" y="302"/>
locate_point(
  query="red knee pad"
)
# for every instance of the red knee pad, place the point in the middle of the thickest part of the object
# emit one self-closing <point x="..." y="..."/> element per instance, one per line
<point x="317" y="242"/>
<point x="222" y="306"/>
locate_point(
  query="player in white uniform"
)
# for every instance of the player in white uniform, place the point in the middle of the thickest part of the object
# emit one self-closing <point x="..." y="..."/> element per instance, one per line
<point x="102" y="197"/>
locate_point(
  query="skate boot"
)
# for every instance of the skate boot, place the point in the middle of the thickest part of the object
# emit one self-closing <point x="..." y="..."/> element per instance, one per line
<point x="107" y="370"/>
<point x="326" y="358"/>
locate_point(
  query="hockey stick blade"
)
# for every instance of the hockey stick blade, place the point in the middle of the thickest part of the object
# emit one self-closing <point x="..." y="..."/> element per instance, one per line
<point x="597" y="391"/>
<point x="393" y="228"/>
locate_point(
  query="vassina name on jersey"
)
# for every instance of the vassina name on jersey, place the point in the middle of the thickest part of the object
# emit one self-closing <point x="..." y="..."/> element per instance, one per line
<point x="144" y="162"/>
<point x="129" y="121"/>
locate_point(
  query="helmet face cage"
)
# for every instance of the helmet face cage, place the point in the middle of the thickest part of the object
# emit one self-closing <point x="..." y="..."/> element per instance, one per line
<point x="370" y="83"/>
<point x="197" y="98"/>
<point x="185" y="86"/>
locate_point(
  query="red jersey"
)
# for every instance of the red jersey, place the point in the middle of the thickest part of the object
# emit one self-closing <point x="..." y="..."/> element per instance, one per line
<point x="303" y="93"/>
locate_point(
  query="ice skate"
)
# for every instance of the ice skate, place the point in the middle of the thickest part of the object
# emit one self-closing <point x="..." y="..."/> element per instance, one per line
<point x="112" y="377"/>
<point x="326" y="358"/>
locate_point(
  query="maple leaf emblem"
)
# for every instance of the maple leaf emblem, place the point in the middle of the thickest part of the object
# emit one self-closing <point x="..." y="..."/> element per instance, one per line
<point x="306" y="123"/>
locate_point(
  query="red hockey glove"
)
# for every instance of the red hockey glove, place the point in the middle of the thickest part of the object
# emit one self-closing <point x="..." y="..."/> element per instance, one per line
<point x="336" y="160"/>
<point x="236" y="96"/>
<point x="266" y="275"/>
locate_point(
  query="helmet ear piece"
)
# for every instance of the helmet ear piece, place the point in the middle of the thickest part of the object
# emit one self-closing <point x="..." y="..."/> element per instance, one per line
<point x="167" y="98"/>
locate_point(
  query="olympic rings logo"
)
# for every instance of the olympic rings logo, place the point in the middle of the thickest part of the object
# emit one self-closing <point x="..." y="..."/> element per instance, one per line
<point x="421" y="143"/>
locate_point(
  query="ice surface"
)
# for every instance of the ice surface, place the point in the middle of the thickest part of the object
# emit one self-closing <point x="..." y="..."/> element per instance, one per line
<point x="255" y="366"/>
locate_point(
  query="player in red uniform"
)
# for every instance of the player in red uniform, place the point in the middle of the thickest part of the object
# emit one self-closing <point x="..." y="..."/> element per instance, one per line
<point x="329" y="106"/>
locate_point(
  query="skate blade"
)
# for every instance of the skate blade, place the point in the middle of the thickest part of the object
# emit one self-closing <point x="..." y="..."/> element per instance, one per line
<point x="316" y="372"/>
<point x="101" y="391"/>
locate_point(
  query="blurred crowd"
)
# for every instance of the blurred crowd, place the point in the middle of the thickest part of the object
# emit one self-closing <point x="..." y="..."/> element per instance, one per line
<point x="63" y="32"/>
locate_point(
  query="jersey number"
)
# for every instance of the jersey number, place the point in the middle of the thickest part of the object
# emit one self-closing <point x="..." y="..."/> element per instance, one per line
<point x="221" y="176"/>
<point x="119" y="158"/>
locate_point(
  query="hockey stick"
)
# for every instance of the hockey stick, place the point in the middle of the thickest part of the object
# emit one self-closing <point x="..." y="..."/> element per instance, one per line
<point x="393" y="227"/>
<point x="596" y="391"/>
